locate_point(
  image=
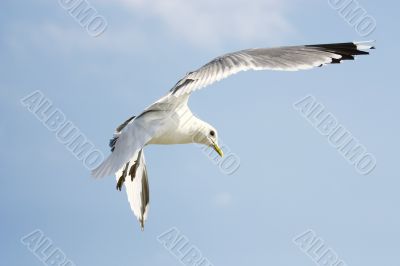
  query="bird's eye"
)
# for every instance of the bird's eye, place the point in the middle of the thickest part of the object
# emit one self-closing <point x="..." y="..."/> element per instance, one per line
<point x="212" y="133"/>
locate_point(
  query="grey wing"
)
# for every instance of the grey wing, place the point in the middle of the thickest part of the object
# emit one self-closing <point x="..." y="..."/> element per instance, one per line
<point x="289" y="58"/>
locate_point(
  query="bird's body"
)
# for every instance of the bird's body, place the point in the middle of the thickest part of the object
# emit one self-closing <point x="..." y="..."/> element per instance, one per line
<point x="176" y="130"/>
<point x="170" y="121"/>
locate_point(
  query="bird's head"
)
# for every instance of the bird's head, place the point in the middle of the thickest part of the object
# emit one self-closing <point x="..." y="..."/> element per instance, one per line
<point x="207" y="135"/>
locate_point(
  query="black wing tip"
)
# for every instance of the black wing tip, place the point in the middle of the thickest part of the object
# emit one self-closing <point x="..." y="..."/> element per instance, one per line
<point x="347" y="50"/>
<point x="121" y="179"/>
<point x="112" y="142"/>
<point x="141" y="225"/>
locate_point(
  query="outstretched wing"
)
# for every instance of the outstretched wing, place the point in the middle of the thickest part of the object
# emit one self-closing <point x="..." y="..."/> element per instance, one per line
<point x="289" y="58"/>
<point x="128" y="139"/>
<point x="134" y="175"/>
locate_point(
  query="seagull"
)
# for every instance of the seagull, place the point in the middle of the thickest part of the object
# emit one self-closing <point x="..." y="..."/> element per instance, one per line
<point x="170" y="121"/>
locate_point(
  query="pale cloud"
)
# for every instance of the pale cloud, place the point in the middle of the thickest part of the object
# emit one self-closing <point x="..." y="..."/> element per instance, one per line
<point x="212" y="23"/>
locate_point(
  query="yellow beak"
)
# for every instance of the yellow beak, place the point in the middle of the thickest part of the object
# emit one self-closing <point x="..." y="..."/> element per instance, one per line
<point x="218" y="149"/>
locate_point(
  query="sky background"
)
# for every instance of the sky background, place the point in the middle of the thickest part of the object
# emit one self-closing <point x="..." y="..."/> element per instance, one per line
<point x="290" y="178"/>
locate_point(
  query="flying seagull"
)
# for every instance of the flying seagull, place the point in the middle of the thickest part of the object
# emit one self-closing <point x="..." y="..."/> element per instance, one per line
<point x="170" y="121"/>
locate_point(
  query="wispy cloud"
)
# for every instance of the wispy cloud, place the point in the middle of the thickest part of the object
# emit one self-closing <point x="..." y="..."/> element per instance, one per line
<point x="49" y="36"/>
<point x="212" y="23"/>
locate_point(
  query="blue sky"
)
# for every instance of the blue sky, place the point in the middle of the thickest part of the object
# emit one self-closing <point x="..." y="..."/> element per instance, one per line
<point x="290" y="179"/>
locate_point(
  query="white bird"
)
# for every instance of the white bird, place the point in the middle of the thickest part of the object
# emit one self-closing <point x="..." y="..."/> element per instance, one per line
<point x="170" y="121"/>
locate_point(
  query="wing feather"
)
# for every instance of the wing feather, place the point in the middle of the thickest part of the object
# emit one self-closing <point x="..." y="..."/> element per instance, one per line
<point x="134" y="175"/>
<point x="132" y="138"/>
